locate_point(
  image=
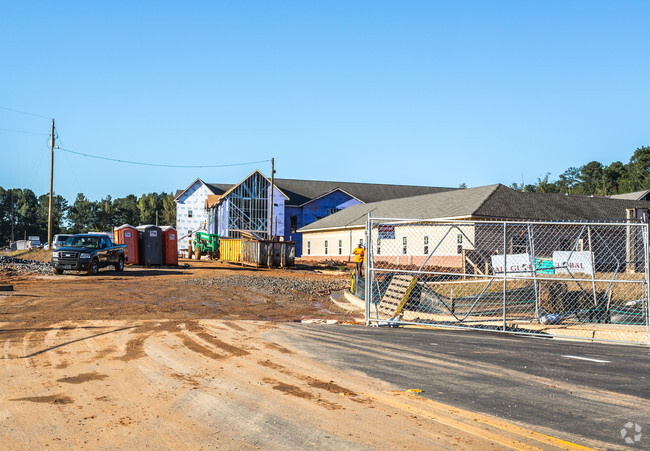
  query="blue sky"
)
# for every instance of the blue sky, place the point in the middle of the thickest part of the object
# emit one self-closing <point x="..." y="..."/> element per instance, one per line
<point x="422" y="93"/>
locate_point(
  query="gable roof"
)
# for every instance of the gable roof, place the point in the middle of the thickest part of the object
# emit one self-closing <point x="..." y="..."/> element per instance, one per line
<point x="300" y="192"/>
<point x="484" y="202"/>
<point x="636" y="195"/>
<point x="229" y="188"/>
<point x="213" y="187"/>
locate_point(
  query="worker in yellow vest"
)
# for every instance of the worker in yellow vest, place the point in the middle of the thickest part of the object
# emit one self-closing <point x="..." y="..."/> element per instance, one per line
<point x="359" y="257"/>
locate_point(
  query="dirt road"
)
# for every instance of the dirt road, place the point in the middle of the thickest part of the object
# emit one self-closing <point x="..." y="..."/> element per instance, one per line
<point x="185" y="358"/>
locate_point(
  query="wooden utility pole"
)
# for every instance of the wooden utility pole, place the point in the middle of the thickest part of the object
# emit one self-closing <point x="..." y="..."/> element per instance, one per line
<point x="49" y="216"/>
<point x="271" y="197"/>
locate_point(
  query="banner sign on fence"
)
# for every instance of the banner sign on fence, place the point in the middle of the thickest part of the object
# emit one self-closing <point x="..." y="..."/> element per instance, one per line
<point x="519" y="265"/>
<point x="386" y="232"/>
<point x="576" y="262"/>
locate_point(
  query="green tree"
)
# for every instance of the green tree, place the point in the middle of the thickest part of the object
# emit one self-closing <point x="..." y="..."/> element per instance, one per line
<point x="568" y="180"/>
<point x="26" y="214"/>
<point x="82" y="215"/>
<point x="148" y="206"/>
<point x="5" y="215"/>
<point x="613" y="175"/>
<point x="106" y="214"/>
<point x="169" y="210"/>
<point x="591" y="178"/>
<point x="126" y="210"/>
<point x="59" y="210"/>
<point x="545" y="186"/>
<point x="638" y="171"/>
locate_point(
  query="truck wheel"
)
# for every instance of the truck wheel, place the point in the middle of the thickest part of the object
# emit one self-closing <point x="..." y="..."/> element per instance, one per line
<point x="119" y="266"/>
<point x="94" y="267"/>
<point x="57" y="271"/>
<point x="197" y="253"/>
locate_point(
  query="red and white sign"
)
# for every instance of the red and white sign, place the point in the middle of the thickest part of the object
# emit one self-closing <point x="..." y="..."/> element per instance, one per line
<point x="574" y="262"/>
<point x="518" y="265"/>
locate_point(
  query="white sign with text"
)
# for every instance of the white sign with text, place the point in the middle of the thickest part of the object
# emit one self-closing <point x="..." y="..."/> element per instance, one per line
<point x="518" y="265"/>
<point x="576" y="262"/>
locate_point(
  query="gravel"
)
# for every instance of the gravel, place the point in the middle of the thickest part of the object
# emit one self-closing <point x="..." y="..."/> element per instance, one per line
<point x="272" y="286"/>
<point x="13" y="265"/>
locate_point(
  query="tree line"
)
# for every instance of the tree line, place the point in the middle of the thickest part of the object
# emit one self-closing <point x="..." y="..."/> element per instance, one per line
<point x="23" y="214"/>
<point x="598" y="179"/>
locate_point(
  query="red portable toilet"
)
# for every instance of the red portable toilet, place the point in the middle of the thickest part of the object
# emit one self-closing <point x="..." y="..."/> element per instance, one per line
<point x="170" y="247"/>
<point x="128" y="235"/>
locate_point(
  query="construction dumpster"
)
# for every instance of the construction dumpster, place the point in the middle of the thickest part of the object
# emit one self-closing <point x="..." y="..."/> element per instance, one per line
<point x="169" y="246"/>
<point x="230" y="250"/>
<point x="150" y="245"/>
<point x="268" y="253"/>
<point x="127" y="234"/>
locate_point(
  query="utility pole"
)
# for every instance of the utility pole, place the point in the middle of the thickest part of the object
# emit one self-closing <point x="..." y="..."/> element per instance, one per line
<point x="271" y="197"/>
<point x="49" y="215"/>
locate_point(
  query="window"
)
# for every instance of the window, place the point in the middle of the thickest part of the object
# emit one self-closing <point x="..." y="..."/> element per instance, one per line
<point x="325" y="247"/>
<point x="189" y="213"/>
<point x="340" y="247"/>
<point x="331" y="211"/>
<point x="426" y="245"/>
<point x="459" y="238"/>
<point x="404" y="245"/>
<point x="378" y="246"/>
<point x="294" y="223"/>
<point x="308" y="247"/>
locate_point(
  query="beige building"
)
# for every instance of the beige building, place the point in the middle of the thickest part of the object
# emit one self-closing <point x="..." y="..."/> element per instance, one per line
<point x="335" y="236"/>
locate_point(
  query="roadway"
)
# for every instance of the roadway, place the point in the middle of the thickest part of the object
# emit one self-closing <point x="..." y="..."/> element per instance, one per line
<point x="576" y="391"/>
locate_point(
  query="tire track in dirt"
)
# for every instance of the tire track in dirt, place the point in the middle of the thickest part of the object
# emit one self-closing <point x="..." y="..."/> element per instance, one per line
<point x="82" y="378"/>
<point x="58" y="399"/>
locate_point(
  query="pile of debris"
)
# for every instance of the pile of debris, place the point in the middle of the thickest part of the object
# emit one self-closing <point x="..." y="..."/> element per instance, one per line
<point x="14" y="265"/>
<point x="290" y="287"/>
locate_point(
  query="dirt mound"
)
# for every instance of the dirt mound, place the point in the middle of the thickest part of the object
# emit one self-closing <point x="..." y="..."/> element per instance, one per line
<point x="290" y="287"/>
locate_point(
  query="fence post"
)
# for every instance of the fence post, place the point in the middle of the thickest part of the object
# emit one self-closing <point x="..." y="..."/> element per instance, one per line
<point x="505" y="272"/>
<point x="531" y="245"/>
<point x="646" y="291"/>
<point x="593" y="267"/>
<point x="369" y="275"/>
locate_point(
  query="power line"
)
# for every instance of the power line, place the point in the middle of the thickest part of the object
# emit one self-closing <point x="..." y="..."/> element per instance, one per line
<point x="162" y="165"/>
<point x="24" y="112"/>
<point x="22" y="131"/>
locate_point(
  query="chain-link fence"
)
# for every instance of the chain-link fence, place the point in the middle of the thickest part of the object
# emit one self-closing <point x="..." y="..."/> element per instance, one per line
<point x="580" y="280"/>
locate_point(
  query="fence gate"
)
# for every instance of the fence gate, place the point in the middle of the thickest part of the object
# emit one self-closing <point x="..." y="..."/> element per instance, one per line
<point x="579" y="280"/>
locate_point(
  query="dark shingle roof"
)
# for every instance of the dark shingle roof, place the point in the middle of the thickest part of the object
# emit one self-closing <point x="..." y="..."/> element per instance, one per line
<point x="488" y="202"/>
<point x="218" y="188"/>
<point x="510" y="204"/>
<point x="303" y="191"/>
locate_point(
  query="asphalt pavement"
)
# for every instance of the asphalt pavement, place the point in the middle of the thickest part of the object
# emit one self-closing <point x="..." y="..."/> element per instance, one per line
<point x="577" y="391"/>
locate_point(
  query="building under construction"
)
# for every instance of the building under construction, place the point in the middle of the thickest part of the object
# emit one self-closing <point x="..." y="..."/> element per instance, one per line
<point x="248" y="205"/>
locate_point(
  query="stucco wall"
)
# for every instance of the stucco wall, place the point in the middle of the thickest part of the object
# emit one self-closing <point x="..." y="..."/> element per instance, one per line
<point x="314" y="244"/>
